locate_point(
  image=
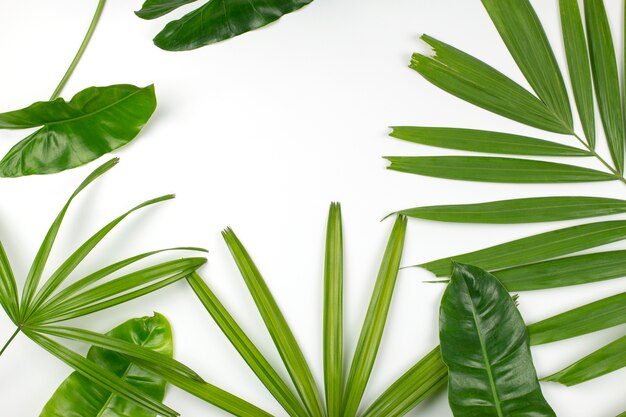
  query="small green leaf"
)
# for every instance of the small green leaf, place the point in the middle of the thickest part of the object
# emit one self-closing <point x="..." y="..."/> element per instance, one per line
<point x="474" y="81"/>
<point x="493" y="169"/>
<point x="94" y="122"/>
<point x="333" y="312"/>
<point x="535" y="248"/>
<point x="214" y="21"/>
<point x="578" y="64"/>
<point x="246" y="348"/>
<point x="521" y="210"/>
<point x="601" y="362"/>
<point x="483" y="141"/>
<point x="277" y="326"/>
<point x="78" y="396"/>
<point x="485" y="346"/>
<point x="375" y="320"/>
<point x="606" y="78"/>
<point x="8" y="288"/>
<point x="520" y="27"/>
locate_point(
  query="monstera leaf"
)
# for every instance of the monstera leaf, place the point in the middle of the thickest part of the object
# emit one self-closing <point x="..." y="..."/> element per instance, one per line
<point x="79" y="397"/>
<point x="485" y="345"/>
<point x="94" y="122"/>
<point x="214" y="21"/>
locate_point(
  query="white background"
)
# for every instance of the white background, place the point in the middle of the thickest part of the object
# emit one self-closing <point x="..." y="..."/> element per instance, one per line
<point x="261" y="133"/>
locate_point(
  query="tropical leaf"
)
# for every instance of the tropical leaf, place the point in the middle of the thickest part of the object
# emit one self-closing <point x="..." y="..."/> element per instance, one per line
<point x="78" y="396"/>
<point x="8" y="288"/>
<point x="486" y="348"/>
<point x="94" y="122"/>
<point x="214" y="21"/>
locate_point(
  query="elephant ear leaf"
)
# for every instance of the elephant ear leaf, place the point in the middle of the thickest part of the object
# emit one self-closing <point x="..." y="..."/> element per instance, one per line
<point x="79" y="397"/>
<point x="214" y="21"/>
<point x="94" y="122"/>
<point x="485" y="345"/>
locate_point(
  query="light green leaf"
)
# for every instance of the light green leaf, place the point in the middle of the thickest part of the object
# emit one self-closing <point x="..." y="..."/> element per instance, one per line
<point x="77" y="396"/>
<point x="495" y="169"/>
<point x="578" y="64"/>
<point x="485" y="346"/>
<point x="277" y="326"/>
<point x="375" y="319"/>
<point x="94" y="122"/>
<point x="333" y="312"/>
<point x="474" y="81"/>
<point x="521" y="210"/>
<point x="520" y="27"/>
<point x="483" y="141"/>
<point x="535" y="248"/>
<point x="8" y="288"/>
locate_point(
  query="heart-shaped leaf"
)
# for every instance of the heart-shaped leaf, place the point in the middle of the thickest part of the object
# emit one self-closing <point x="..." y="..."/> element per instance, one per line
<point x="79" y="397"/>
<point x="94" y="122"/>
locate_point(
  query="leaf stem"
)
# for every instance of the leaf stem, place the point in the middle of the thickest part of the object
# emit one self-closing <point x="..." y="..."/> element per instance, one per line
<point x="6" y="345"/>
<point x="81" y="50"/>
<point x="600" y="158"/>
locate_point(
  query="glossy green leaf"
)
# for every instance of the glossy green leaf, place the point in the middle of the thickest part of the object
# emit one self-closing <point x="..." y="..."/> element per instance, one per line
<point x="333" y="312"/>
<point x="592" y="317"/>
<point x="246" y="348"/>
<point x="8" y="288"/>
<point x="105" y="378"/>
<point x="485" y="346"/>
<point x="214" y="21"/>
<point x="578" y="64"/>
<point x="519" y="27"/>
<point x="563" y="272"/>
<point x="483" y="141"/>
<point x="426" y="377"/>
<point x="375" y="320"/>
<point x="521" y="210"/>
<point x="495" y="169"/>
<point x="535" y="248"/>
<point x="277" y="326"/>
<point x="606" y="78"/>
<point x="79" y="397"/>
<point x="601" y="362"/>
<point x="94" y="122"/>
<point x="474" y="81"/>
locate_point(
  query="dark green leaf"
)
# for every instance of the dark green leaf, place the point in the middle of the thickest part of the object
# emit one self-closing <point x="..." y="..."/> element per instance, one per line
<point x="333" y="312"/>
<point x="214" y="21"/>
<point x="78" y="396"/>
<point x="483" y="141"/>
<point x="522" y="210"/>
<point x="563" y="272"/>
<point x="521" y="31"/>
<point x="375" y="319"/>
<point x="592" y="317"/>
<point x="94" y="122"/>
<point x="578" y="64"/>
<point x="426" y="377"/>
<point x="601" y="362"/>
<point x="474" y="81"/>
<point x="246" y="348"/>
<point x="277" y="326"/>
<point x="8" y="288"/>
<point x="485" y="346"/>
<point x="606" y="78"/>
<point x="536" y="248"/>
<point x="494" y="169"/>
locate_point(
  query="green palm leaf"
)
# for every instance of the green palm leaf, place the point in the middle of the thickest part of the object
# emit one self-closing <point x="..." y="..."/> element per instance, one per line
<point x="8" y="288"/>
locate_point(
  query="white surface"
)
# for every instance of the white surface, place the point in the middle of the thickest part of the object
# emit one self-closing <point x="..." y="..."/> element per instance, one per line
<point x="261" y="133"/>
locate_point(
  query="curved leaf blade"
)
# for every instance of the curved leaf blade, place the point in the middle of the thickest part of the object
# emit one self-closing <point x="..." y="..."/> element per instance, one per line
<point x="78" y="396"/>
<point x="8" y="288"/>
<point x="483" y="141"/>
<point x="152" y="9"/>
<point x="472" y="80"/>
<point x="521" y="210"/>
<point x="494" y="169"/>
<point x="94" y="122"/>
<point x="485" y="346"/>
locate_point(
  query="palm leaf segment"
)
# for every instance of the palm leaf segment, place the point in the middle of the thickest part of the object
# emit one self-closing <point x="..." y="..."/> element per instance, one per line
<point x="544" y="260"/>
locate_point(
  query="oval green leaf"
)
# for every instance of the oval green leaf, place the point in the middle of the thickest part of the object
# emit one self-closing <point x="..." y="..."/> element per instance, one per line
<point x="485" y="346"/>
<point x="94" y="122"/>
<point x="79" y="397"/>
